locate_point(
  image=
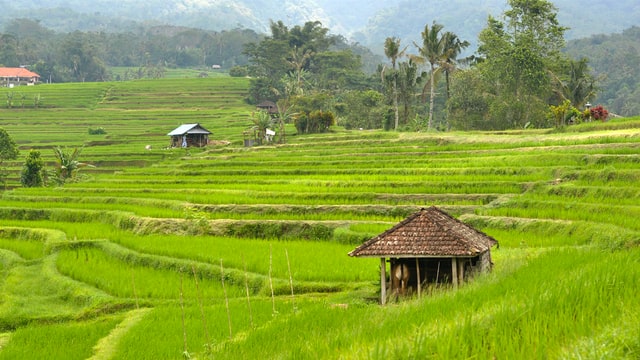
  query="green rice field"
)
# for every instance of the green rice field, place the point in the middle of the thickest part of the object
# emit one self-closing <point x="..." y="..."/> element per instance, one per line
<point x="233" y="252"/>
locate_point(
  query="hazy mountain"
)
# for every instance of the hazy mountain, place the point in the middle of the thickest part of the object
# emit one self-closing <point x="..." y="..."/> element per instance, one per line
<point x="368" y="22"/>
<point x="467" y="18"/>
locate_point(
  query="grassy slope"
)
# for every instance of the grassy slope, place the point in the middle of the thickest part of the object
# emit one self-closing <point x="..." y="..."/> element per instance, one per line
<point x="151" y="229"/>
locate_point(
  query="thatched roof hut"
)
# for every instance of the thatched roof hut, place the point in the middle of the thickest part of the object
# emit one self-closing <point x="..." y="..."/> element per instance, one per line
<point x="429" y="246"/>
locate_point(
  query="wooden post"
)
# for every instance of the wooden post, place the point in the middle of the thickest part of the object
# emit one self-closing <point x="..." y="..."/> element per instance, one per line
<point x="454" y="272"/>
<point x="460" y="271"/>
<point x="418" y="276"/>
<point x="383" y="281"/>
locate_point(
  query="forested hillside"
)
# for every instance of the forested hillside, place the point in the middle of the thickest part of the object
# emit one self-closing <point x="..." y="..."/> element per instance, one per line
<point x="88" y="55"/>
<point x="425" y="84"/>
<point x="615" y="60"/>
<point x="369" y="22"/>
<point x="468" y="18"/>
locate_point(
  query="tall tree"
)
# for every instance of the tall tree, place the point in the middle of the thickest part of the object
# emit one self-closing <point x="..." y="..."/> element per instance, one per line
<point x="452" y="47"/>
<point x="432" y="51"/>
<point x="337" y="70"/>
<point x="408" y="81"/>
<point x="81" y="58"/>
<point x="274" y="55"/>
<point x="393" y="52"/>
<point x="298" y="60"/>
<point x="519" y="54"/>
<point x="303" y="55"/>
<point x="8" y="151"/>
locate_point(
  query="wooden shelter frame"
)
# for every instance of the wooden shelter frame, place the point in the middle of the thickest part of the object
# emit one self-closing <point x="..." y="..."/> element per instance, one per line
<point x="427" y="247"/>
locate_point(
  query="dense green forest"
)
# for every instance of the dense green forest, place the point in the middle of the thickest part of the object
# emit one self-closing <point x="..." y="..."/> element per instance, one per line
<point x="87" y="56"/>
<point x="520" y="68"/>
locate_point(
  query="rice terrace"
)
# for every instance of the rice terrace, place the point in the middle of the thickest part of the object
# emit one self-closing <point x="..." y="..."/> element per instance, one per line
<point x="234" y="252"/>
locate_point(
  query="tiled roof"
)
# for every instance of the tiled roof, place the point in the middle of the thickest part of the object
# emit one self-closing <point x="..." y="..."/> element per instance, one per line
<point x="17" y="72"/>
<point x="189" y="129"/>
<point x="427" y="233"/>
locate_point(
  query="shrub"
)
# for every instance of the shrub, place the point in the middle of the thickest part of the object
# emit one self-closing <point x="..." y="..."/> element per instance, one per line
<point x="33" y="170"/>
<point x="599" y="113"/>
<point x="315" y="122"/>
<point x="238" y="71"/>
<point x="97" y="131"/>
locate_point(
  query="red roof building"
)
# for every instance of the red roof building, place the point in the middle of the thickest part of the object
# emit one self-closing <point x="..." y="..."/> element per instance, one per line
<point x="17" y="76"/>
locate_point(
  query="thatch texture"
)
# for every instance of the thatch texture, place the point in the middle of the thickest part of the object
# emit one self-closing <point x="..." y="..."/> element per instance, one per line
<point x="427" y="233"/>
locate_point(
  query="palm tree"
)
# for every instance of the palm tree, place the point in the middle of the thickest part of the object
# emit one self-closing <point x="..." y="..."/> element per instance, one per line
<point x="298" y="60"/>
<point x="68" y="164"/>
<point x="452" y="47"/>
<point x="580" y="86"/>
<point x="285" y="115"/>
<point x="431" y="51"/>
<point x="261" y="122"/>
<point x="393" y="52"/>
<point x="408" y="80"/>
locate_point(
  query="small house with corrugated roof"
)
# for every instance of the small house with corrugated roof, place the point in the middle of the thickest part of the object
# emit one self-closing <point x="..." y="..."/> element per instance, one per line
<point x="189" y="135"/>
<point x="428" y="247"/>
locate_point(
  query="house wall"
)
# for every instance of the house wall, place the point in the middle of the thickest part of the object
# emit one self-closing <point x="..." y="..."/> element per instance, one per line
<point x="5" y="81"/>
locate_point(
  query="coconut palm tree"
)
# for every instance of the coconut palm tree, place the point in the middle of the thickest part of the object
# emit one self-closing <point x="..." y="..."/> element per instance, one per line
<point x="393" y="52"/>
<point x="432" y="52"/>
<point x="579" y="87"/>
<point x="298" y="60"/>
<point x="441" y="52"/>
<point x="408" y="81"/>
<point x="452" y="47"/>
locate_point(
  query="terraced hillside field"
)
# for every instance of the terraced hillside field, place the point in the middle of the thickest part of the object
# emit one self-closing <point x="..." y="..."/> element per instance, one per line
<point x="232" y="252"/>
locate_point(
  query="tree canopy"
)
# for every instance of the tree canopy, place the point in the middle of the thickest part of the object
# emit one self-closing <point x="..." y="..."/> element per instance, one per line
<point x="615" y="63"/>
<point x="8" y="147"/>
<point x="295" y="61"/>
<point x="517" y="73"/>
<point x="521" y="72"/>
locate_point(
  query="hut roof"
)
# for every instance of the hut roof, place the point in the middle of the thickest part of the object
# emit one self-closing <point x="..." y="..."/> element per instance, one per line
<point x="269" y="106"/>
<point x="427" y="233"/>
<point x="189" y="129"/>
<point x="17" y="72"/>
<point x="266" y="104"/>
